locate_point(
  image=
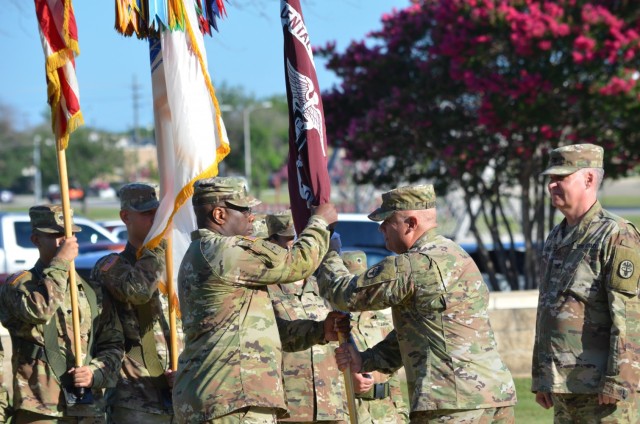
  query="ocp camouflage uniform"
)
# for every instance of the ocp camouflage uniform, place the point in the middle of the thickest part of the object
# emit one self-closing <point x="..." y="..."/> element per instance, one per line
<point x="232" y="356"/>
<point x="28" y="300"/>
<point x="133" y="283"/>
<point x="370" y="328"/>
<point x="4" y="395"/>
<point x="312" y="382"/>
<point x="442" y="332"/>
<point x="588" y="320"/>
<point x="384" y="402"/>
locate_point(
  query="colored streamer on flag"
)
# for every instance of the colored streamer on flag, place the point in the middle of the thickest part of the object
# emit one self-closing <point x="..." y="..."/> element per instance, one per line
<point x="59" y="35"/>
<point x="147" y="18"/>
<point x="190" y="135"/>
<point x="309" y="183"/>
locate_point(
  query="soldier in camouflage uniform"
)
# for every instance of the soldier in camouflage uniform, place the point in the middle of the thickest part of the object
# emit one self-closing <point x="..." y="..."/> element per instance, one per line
<point x="379" y="395"/>
<point x="260" y="226"/>
<point x="35" y="307"/>
<point x="312" y="382"/>
<point x="4" y="395"/>
<point x="143" y="393"/>
<point x="586" y="351"/>
<point x="230" y="369"/>
<point x="439" y="304"/>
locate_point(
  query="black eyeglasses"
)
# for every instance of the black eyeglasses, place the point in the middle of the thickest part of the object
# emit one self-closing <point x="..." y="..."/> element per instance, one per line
<point x="245" y="211"/>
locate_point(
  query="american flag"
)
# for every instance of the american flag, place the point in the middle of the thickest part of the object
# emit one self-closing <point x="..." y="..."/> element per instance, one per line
<point x="59" y="35"/>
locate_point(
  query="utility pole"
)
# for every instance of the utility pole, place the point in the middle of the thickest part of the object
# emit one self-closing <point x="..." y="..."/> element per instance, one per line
<point x="135" y="97"/>
<point x="135" y="93"/>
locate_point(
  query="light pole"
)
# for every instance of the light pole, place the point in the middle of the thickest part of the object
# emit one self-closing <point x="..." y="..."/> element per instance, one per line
<point x="247" y="136"/>
<point x="37" y="175"/>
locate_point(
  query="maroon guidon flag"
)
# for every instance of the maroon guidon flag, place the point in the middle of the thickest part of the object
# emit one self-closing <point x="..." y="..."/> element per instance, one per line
<point x="309" y="183"/>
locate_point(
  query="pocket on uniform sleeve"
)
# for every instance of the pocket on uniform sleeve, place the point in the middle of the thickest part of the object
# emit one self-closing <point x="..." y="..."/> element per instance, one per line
<point x="625" y="270"/>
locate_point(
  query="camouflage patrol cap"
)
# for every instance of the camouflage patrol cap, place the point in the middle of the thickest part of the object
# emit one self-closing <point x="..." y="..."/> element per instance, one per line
<point x="230" y="190"/>
<point x="49" y="219"/>
<point x="407" y="198"/>
<point x="566" y="160"/>
<point x="260" y="226"/>
<point x="138" y="197"/>
<point x="355" y="261"/>
<point x="281" y="224"/>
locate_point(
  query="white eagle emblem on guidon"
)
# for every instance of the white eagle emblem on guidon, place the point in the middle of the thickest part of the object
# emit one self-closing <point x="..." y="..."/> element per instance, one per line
<point x="625" y="269"/>
<point x="305" y="101"/>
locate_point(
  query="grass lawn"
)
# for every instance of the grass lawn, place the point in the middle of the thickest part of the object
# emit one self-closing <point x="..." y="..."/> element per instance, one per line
<point x="93" y="213"/>
<point x="527" y="410"/>
<point x="620" y="201"/>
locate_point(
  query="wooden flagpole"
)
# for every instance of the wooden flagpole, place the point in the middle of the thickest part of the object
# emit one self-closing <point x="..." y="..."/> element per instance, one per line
<point x="171" y="292"/>
<point x="348" y="385"/>
<point x="68" y="232"/>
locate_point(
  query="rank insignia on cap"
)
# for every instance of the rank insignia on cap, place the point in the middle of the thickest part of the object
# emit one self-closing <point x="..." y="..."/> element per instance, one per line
<point x="374" y="272"/>
<point x="625" y="269"/>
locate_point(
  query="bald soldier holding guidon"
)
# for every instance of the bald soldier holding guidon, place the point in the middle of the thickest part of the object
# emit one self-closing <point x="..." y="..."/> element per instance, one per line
<point x="439" y="303"/>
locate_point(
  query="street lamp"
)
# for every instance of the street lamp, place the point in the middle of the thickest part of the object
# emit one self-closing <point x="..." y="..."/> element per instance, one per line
<point x="247" y="136"/>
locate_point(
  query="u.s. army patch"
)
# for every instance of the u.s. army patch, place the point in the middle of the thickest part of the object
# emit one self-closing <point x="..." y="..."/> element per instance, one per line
<point x="374" y="271"/>
<point x="625" y="275"/>
<point x="625" y="269"/>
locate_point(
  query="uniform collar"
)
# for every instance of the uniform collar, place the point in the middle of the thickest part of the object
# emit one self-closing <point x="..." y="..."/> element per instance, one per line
<point x="581" y="228"/>
<point x="427" y="237"/>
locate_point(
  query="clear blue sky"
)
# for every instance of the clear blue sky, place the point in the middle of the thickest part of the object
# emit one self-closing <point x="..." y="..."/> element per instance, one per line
<point x="247" y="52"/>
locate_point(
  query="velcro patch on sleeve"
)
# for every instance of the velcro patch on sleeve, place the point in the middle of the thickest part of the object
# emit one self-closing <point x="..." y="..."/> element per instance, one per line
<point x="381" y="273"/>
<point x="109" y="262"/>
<point x="267" y="252"/>
<point x="15" y="278"/>
<point x="625" y="271"/>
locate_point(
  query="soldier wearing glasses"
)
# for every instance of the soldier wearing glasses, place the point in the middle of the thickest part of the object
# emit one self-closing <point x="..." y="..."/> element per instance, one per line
<point x="230" y="369"/>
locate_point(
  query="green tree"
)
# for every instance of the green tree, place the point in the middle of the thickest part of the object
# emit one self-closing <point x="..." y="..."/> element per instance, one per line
<point x="16" y="150"/>
<point x="268" y="129"/>
<point x="473" y="93"/>
<point x="90" y="154"/>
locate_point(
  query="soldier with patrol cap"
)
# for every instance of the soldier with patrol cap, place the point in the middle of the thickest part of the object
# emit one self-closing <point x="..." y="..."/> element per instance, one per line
<point x="312" y="382"/>
<point x="587" y="346"/>
<point x="230" y="369"/>
<point x="143" y="393"/>
<point x="439" y="303"/>
<point x="35" y="307"/>
<point x="378" y="394"/>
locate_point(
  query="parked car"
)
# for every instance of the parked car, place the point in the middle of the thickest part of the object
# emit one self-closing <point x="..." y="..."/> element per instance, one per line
<point x="357" y="232"/>
<point x="102" y="190"/>
<point x="18" y="253"/>
<point x="75" y="193"/>
<point x="6" y="196"/>
<point x="117" y="229"/>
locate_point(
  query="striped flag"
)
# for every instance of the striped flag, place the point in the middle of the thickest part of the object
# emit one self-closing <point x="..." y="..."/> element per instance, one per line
<point x="309" y="183"/>
<point x="190" y="136"/>
<point x="59" y="35"/>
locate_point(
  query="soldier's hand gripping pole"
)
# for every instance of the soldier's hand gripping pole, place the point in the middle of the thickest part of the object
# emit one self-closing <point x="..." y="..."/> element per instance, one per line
<point x="73" y="288"/>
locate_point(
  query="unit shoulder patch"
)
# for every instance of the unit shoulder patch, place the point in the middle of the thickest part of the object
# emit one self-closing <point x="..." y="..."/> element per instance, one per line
<point x="383" y="272"/>
<point x="625" y="270"/>
<point x="109" y="262"/>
